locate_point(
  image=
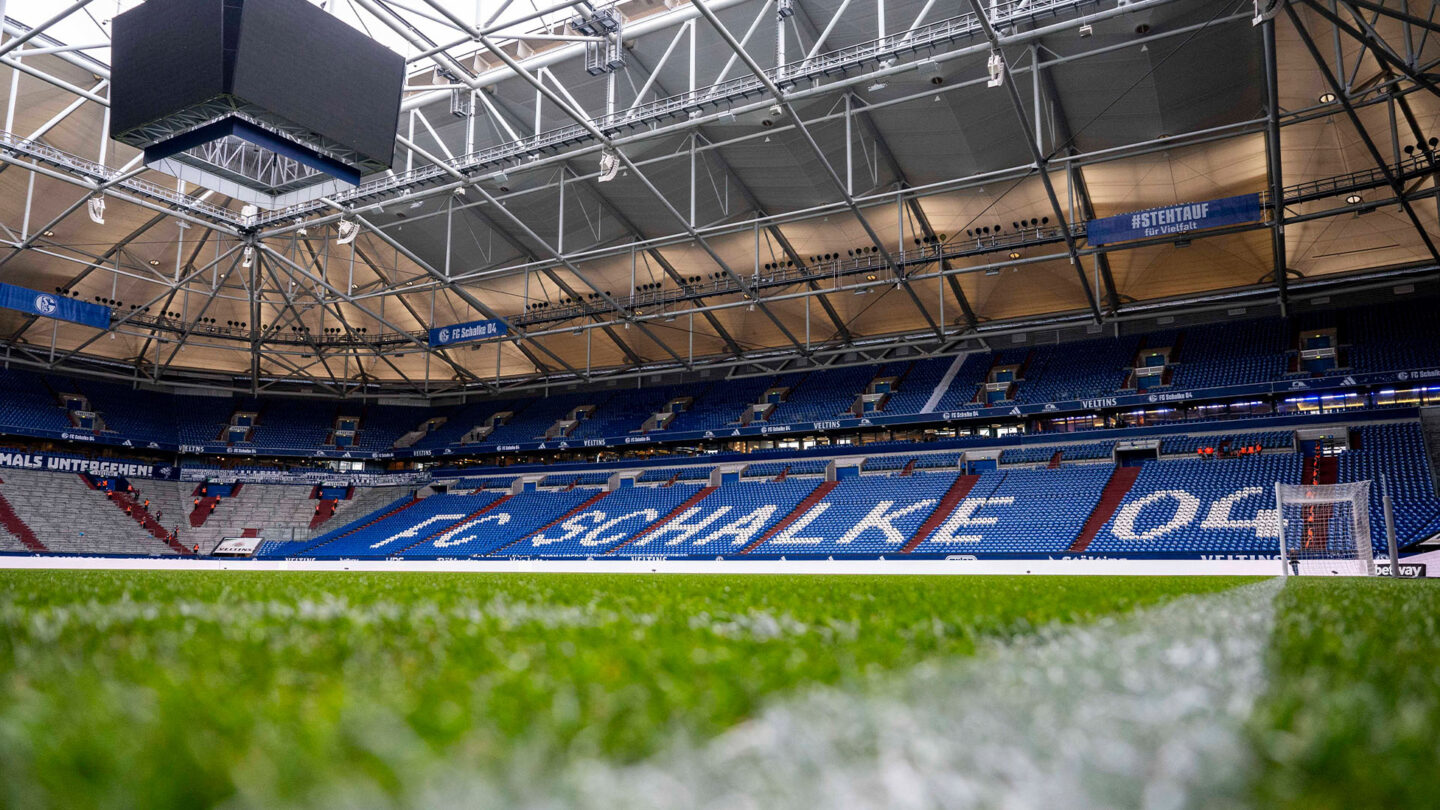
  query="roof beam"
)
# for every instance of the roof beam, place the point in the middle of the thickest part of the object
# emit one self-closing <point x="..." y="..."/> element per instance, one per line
<point x="350" y="331"/>
<point x="1369" y="142"/>
<point x="1409" y="19"/>
<point x="754" y="202"/>
<point x="1066" y="136"/>
<point x="585" y="123"/>
<point x="1274" y="165"/>
<point x="170" y="290"/>
<point x="397" y="24"/>
<point x="1042" y="163"/>
<point x="549" y="272"/>
<point x="804" y="130"/>
<point x="916" y="210"/>
<point x="17" y="41"/>
<point x="499" y="108"/>
<point x="465" y="296"/>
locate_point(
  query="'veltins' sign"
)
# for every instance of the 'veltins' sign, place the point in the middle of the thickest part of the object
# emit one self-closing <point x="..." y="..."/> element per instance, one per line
<point x="465" y="332"/>
<point x="1174" y="220"/>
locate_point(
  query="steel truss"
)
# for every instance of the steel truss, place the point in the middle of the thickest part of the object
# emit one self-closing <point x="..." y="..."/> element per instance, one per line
<point x="813" y="76"/>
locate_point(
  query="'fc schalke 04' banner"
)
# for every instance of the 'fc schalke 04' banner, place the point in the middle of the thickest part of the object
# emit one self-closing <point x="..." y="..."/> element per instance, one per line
<point x="54" y="306"/>
<point x="465" y="332"/>
<point x="1174" y="220"/>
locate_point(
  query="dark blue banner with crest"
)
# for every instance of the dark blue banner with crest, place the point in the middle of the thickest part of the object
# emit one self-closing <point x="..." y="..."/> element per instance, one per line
<point x="466" y="332"/>
<point x="49" y="305"/>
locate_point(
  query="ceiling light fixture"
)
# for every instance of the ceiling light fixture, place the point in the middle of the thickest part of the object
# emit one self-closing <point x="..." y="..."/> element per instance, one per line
<point x="1327" y="98"/>
<point x="1354" y="199"/>
<point x="348" y="230"/>
<point x="609" y="165"/>
<point x="996" y="66"/>
<point x="1014" y="254"/>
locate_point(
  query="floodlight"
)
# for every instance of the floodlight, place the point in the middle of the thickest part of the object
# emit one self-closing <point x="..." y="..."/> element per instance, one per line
<point x="348" y="230"/>
<point x="247" y="257"/>
<point x="97" y="210"/>
<point x="609" y="165"/>
<point x="461" y="103"/>
<point x="1086" y="30"/>
<point x="996" y="65"/>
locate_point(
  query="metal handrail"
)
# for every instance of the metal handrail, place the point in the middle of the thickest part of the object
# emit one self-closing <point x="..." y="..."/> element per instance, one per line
<point x="104" y="175"/>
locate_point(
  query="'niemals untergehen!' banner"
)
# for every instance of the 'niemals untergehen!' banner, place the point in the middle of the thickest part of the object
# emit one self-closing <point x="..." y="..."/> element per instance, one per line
<point x="466" y="332"/>
<point x="47" y="305"/>
<point x="1174" y="220"/>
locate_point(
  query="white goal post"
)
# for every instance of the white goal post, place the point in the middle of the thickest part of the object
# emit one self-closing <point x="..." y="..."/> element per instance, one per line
<point x="1325" y="529"/>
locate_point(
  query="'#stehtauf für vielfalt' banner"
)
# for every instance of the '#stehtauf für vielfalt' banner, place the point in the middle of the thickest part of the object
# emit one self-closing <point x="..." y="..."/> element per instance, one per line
<point x="1174" y="220"/>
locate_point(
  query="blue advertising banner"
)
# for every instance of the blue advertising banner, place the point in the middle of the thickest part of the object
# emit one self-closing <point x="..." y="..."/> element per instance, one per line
<point x="466" y="332"/>
<point x="46" y="305"/>
<point x="1174" y="220"/>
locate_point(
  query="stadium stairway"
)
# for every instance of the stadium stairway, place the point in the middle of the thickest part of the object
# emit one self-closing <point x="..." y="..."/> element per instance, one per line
<point x="699" y="496"/>
<point x="17" y="527"/>
<point x="909" y="468"/>
<point x="1321" y="470"/>
<point x="810" y="500"/>
<point x="203" y="508"/>
<point x="586" y="504"/>
<point x="1121" y="480"/>
<point x="457" y="524"/>
<point x="953" y="496"/>
<point x="324" y="510"/>
<point x="138" y="512"/>
<point x="1317" y="518"/>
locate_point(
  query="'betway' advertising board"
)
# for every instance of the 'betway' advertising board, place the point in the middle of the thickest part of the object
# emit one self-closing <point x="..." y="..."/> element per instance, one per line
<point x="94" y="466"/>
<point x="466" y="332"/>
<point x="1174" y="220"/>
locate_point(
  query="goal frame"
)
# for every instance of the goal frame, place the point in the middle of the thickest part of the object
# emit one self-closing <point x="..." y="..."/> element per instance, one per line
<point x="1362" y="551"/>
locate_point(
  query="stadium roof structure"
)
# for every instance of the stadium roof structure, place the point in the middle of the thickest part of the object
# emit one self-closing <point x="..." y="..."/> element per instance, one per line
<point x="734" y="187"/>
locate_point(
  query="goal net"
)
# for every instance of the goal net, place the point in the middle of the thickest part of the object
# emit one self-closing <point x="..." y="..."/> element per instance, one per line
<point x="1325" y="529"/>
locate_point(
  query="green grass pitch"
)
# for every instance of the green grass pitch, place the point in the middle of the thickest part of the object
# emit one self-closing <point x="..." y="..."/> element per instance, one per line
<point x="196" y="689"/>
